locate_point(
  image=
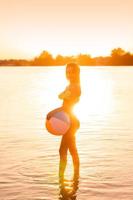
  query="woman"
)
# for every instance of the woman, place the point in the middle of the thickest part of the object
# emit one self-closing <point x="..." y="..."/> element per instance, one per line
<point x="70" y="97"/>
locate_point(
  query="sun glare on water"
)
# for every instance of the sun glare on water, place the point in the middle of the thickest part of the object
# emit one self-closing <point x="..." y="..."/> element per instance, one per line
<point x="96" y="98"/>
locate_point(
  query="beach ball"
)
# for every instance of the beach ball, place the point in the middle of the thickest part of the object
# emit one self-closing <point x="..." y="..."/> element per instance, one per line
<point x="58" y="122"/>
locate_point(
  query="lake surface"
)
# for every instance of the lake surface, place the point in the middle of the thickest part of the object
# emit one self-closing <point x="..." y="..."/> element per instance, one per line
<point x="29" y="155"/>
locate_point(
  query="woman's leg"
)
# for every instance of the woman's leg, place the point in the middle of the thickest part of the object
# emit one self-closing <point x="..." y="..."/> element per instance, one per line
<point x="63" y="156"/>
<point x="74" y="153"/>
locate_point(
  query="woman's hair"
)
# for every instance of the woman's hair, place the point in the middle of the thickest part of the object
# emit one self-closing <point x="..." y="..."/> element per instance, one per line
<point x="74" y="69"/>
<point x="74" y="66"/>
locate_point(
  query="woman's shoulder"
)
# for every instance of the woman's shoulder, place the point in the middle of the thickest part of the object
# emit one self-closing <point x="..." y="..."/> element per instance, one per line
<point x="74" y="85"/>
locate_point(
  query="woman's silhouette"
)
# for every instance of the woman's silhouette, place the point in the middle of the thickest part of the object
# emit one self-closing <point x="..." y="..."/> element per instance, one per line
<point x="70" y="97"/>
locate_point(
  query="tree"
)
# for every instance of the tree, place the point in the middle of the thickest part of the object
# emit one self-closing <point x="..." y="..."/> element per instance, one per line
<point x="84" y="59"/>
<point x="59" y="60"/>
<point x="118" y="52"/>
<point x="44" y="59"/>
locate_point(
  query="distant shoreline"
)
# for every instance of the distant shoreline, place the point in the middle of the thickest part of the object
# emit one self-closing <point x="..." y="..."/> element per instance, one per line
<point x="115" y="66"/>
<point x="118" y="57"/>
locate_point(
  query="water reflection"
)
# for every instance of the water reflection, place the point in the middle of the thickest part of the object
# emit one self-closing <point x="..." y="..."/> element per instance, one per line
<point x="25" y="145"/>
<point x="68" y="189"/>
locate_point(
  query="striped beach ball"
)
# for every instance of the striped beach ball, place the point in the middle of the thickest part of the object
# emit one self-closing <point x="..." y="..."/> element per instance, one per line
<point x="58" y="122"/>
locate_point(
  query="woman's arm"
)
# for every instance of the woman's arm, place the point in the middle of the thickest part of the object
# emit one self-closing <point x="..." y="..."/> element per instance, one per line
<point x="65" y="94"/>
<point x="72" y="91"/>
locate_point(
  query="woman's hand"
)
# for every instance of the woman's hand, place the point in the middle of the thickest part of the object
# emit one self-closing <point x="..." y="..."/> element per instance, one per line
<point x="64" y="95"/>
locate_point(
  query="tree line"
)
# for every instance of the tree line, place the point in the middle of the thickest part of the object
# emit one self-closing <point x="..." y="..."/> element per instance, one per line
<point x="118" y="57"/>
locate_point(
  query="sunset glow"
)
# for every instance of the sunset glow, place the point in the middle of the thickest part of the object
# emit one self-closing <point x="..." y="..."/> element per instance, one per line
<point x="64" y="27"/>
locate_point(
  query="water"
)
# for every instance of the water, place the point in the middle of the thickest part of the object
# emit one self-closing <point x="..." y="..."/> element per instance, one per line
<point x="29" y="156"/>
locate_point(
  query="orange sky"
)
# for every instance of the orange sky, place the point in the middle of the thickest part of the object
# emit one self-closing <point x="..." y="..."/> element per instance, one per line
<point x="64" y="26"/>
